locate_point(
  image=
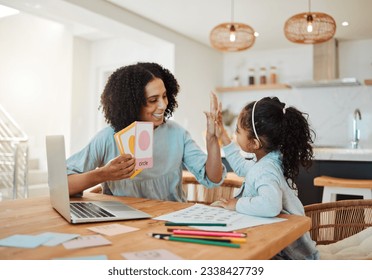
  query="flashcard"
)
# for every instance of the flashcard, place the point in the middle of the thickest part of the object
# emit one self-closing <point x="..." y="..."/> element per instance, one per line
<point x="160" y="254"/>
<point x="86" y="241"/>
<point x="112" y="229"/>
<point x="24" y="241"/>
<point x="93" y="257"/>
<point x="57" y="238"/>
<point x="137" y="140"/>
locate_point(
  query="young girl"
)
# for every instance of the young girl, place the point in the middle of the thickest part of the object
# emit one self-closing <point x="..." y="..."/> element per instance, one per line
<point x="281" y="140"/>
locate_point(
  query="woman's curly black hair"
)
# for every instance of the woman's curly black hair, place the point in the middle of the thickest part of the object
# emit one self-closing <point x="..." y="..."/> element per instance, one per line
<point x="124" y="93"/>
<point x="286" y="130"/>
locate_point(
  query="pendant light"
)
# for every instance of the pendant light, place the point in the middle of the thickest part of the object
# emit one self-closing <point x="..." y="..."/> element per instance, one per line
<point x="232" y="36"/>
<point x="310" y="27"/>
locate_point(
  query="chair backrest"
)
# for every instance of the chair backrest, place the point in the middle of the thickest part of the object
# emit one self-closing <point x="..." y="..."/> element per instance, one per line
<point x="334" y="221"/>
<point x="200" y="194"/>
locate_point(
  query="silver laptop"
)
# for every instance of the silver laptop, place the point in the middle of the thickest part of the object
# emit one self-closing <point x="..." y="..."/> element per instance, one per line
<point x="79" y="212"/>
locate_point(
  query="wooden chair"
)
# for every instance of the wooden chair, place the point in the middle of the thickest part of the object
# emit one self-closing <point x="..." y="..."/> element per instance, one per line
<point x="199" y="194"/>
<point x="334" y="221"/>
<point x="333" y="186"/>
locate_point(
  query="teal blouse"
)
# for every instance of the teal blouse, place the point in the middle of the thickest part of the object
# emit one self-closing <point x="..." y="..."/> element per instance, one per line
<point x="173" y="148"/>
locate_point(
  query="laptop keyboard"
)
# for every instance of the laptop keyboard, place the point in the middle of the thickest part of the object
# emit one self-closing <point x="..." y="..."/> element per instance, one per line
<point x="88" y="210"/>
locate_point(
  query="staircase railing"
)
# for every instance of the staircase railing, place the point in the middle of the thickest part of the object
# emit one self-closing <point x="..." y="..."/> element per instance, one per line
<point x="13" y="158"/>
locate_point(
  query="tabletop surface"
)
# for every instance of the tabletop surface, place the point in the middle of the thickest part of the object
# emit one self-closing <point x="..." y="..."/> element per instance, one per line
<point x="36" y="215"/>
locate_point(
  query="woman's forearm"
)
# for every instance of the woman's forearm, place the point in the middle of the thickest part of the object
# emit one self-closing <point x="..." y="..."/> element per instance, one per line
<point x="77" y="183"/>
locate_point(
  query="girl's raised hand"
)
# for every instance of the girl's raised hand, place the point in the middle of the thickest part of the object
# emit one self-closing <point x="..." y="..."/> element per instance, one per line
<point x="213" y="128"/>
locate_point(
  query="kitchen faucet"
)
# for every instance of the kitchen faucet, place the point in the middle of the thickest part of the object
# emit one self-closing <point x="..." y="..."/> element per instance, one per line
<point x="356" y="131"/>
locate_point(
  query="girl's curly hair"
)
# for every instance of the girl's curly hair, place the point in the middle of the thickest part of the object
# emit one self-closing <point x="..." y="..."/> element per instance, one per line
<point x="283" y="129"/>
<point x="124" y="93"/>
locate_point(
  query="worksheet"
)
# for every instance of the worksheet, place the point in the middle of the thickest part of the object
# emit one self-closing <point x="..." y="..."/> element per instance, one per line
<point x="200" y="213"/>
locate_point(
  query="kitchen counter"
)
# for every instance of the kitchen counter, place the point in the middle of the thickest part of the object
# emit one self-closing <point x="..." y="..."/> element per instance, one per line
<point x="342" y="154"/>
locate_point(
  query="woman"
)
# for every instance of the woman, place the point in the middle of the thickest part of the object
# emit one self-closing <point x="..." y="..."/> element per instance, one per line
<point x="145" y="92"/>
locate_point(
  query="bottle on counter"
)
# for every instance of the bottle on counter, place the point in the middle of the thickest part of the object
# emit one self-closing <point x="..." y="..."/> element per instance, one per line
<point x="236" y="82"/>
<point x="251" y="76"/>
<point x="273" y="75"/>
<point x="263" y="75"/>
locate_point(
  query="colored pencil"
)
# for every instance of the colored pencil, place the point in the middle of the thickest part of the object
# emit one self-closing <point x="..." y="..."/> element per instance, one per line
<point x="198" y="230"/>
<point x="238" y="240"/>
<point x="221" y="239"/>
<point x="197" y="241"/>
<point x="196" y="224"/>
<point x="208" y="233"/>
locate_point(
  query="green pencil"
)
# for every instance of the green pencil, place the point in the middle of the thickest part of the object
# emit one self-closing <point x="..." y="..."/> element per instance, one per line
<point x="196" y="224"/>
<point x="201" y="241"/>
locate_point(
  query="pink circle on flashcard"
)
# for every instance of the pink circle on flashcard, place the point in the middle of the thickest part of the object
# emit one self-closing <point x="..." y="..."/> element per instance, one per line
<point x="144" y="140"/>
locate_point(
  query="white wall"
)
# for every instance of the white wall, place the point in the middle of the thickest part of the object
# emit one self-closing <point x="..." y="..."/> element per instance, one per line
<point x="292" y="64"/>
<point x="196" y="67"/>
<point x="93" y="62"/>
<point x="330" y="109"/>
<point x="35" y="73"/>
<point x="53" y="79"/>
<point x="50" y="80"/>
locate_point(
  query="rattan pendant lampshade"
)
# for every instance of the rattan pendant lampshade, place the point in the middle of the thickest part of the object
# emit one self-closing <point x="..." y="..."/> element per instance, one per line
<point x="232" y="36"/>
<point x="310" y="28"/>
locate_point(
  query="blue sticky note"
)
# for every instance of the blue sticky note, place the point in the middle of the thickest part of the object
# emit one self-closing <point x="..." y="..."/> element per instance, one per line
<point x="24" y="241"/>
<point x="56" y="238"/>
<point x="95" y="257"/>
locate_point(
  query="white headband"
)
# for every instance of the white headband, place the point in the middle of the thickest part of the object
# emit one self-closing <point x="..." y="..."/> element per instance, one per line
<point x="253" y="125"/>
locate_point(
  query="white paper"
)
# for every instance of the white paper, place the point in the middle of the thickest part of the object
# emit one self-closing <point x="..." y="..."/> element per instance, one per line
<point x="200" y="213"/>
<point x="160" y="254"/>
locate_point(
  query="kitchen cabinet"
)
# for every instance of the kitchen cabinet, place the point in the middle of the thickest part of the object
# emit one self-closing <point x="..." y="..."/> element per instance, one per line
<point x="309" y="194"/>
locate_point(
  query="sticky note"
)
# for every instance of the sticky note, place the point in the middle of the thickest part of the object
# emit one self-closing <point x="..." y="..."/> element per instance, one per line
<point x="24" y="241"/>
<point x="57" y="238"/>
<point x="86" y="241"/>
<point x="112" y="229"/>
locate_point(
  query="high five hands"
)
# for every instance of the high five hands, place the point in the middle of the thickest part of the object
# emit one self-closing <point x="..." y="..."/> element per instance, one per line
<point x="215" y="125"/>
<point x="214" y="117"/>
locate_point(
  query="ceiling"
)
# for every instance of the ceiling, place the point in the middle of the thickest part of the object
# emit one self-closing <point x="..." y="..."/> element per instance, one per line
<point x="196" y="18"/>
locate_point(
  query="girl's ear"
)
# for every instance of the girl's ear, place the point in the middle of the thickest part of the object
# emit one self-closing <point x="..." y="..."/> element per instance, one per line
<point x="257" y="144"/>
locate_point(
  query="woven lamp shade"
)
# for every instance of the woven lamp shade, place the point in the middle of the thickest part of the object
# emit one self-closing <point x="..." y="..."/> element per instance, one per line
<point x="220" y="37"/>
<point x="324" y="28"/>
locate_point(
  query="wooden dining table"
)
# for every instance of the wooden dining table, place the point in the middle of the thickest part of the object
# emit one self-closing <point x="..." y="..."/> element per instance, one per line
<point x="34" y="216"/>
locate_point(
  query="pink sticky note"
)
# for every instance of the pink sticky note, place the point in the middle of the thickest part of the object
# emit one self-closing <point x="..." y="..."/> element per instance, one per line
<point x="112" y="229"/>
<point x="86" y="241"/>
